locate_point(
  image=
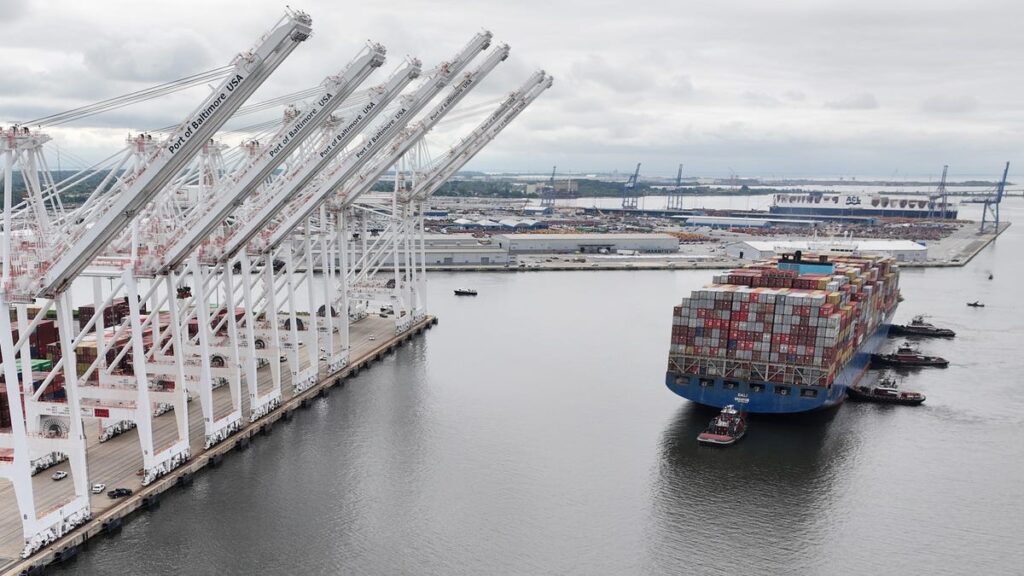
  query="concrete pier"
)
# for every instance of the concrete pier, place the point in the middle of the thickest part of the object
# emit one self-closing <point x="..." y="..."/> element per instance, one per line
<point x="116" y="461"/>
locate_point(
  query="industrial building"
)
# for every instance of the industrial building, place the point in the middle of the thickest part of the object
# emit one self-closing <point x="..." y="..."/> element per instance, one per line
<point x="901" y="250"/>
<point x="589" y="243"/>
<point x="505" y="224"/>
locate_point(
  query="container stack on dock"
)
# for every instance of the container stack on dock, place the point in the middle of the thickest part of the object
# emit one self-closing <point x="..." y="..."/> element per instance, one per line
<point x="788" y="322"/>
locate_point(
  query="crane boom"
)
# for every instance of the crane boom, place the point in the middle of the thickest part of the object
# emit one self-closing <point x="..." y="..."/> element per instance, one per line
<point x="484" y="133"/>
<point x="355" y="187"/>
<point x="336" y="90"/>
<point x="1002" y="184"/>
<point x="250" y="71"/>
<point x="304" y="174"/>
<point x="382" y="133"/>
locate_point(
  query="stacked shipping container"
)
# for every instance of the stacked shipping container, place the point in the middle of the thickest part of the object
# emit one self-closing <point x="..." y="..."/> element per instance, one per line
<point x="779" y="323"/>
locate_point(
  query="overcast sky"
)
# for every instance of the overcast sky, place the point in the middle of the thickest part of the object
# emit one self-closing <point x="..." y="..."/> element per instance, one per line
<point x="751" y="87"/>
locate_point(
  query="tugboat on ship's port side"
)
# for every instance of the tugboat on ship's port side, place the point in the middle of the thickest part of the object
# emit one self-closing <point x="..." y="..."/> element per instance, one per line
<point x="465" y="292"/>
<point x="885" y="392"/>
<point x="906" y="356"/>
<point x="918" y="327"/>
<point x="725" y="429"/>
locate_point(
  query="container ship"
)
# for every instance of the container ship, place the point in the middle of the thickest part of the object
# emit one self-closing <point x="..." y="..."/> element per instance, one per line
<point x="785" y="335"/>
<point x="870" y="206"/>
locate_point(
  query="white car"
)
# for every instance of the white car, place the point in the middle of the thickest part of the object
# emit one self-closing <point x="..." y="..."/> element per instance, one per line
<point x="59" y="475"/>
<point x="98" y="488"/>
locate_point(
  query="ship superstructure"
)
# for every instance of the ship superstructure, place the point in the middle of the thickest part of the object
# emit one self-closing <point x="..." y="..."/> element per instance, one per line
<point x="873" y="205"/>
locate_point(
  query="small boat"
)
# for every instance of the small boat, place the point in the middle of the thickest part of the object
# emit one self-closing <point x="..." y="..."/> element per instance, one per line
<point x="884" y="392"/>
<point x="975" y="304"/>
<point x="725" y="429"/>
<point x="907" y="356"/>
<point x="990" y="276"/>
<point x="918" y="327"/>
<point x="465" y="292"/>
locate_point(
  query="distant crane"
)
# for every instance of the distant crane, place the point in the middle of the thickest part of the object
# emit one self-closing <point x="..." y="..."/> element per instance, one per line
<point x="940" y="193"/>
<point x="547" y="192"/>
<point x="675" y="197"/>
<point x="991" y="208"/>
<point x="630" y="193"/>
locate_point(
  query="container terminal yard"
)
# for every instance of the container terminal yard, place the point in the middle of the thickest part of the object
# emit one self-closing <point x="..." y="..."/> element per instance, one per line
<point x="176" y="312"/>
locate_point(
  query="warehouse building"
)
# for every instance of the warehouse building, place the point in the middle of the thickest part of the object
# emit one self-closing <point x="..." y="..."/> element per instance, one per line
<point x="451" y="250"/>
<point x="588" y="243"/>
<point x="901" y="250"/>
<point x="727" y="222"/>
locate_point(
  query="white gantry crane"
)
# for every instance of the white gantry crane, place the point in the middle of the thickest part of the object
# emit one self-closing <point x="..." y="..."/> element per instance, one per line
<point x="257" y="240"/>
<point x="176" y="357"/>
<point x="207" y="268"/>
<point x="45" y="247"/>
<point x="401" y="243"/>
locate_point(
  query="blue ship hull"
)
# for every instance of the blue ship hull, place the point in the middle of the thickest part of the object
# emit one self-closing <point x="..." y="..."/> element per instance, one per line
<point x="768" y="398"/>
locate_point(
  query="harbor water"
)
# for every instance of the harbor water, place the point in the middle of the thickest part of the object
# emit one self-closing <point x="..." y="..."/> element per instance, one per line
<point x="531" y="433"/>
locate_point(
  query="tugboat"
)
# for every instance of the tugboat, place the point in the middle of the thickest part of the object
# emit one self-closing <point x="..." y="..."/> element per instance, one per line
<point x="725" y="429"/>
<point x="465" y="292"/>
<point x="976" y="304"/>
<point x="907" y="356"/>
<point x="918" y="327"/>
<point x="884" y="392"/>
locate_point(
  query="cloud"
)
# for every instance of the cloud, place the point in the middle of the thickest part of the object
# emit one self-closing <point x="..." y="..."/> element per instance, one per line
<point x="12" y="10"/>
<point x="943" y="104"/>
<point x="161" y="56"/>
<point x="760" y="100"/>
<point x="596" y="70"/>
<point x="682" y="87"/>
<point x="863" y="101"/>
<point x="649" y="80"/>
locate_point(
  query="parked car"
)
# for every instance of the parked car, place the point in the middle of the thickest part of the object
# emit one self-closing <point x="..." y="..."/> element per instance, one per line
<point x="59" y="475"/>
<point x="119" y="493"/>
<point x="98" y="488"/>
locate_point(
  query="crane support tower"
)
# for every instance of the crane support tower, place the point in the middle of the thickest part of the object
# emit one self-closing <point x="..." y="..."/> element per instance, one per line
<point x="630" y="191"/>
<point x="990" y="211"/>
<point x="547" y="192"/>
<point x="46" y="247"/>
<point x="675" y="196"/>
<point x="214" y="277"/>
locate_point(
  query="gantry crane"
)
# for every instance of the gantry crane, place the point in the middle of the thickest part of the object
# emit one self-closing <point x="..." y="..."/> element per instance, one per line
<point x="204" y="252"/>
<point x="547" y="192"/>
<point x="630" y="191"/>
<point x="990" y="210"/>
<point x="675" y="196"/>
<point x="61" y="244"/>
